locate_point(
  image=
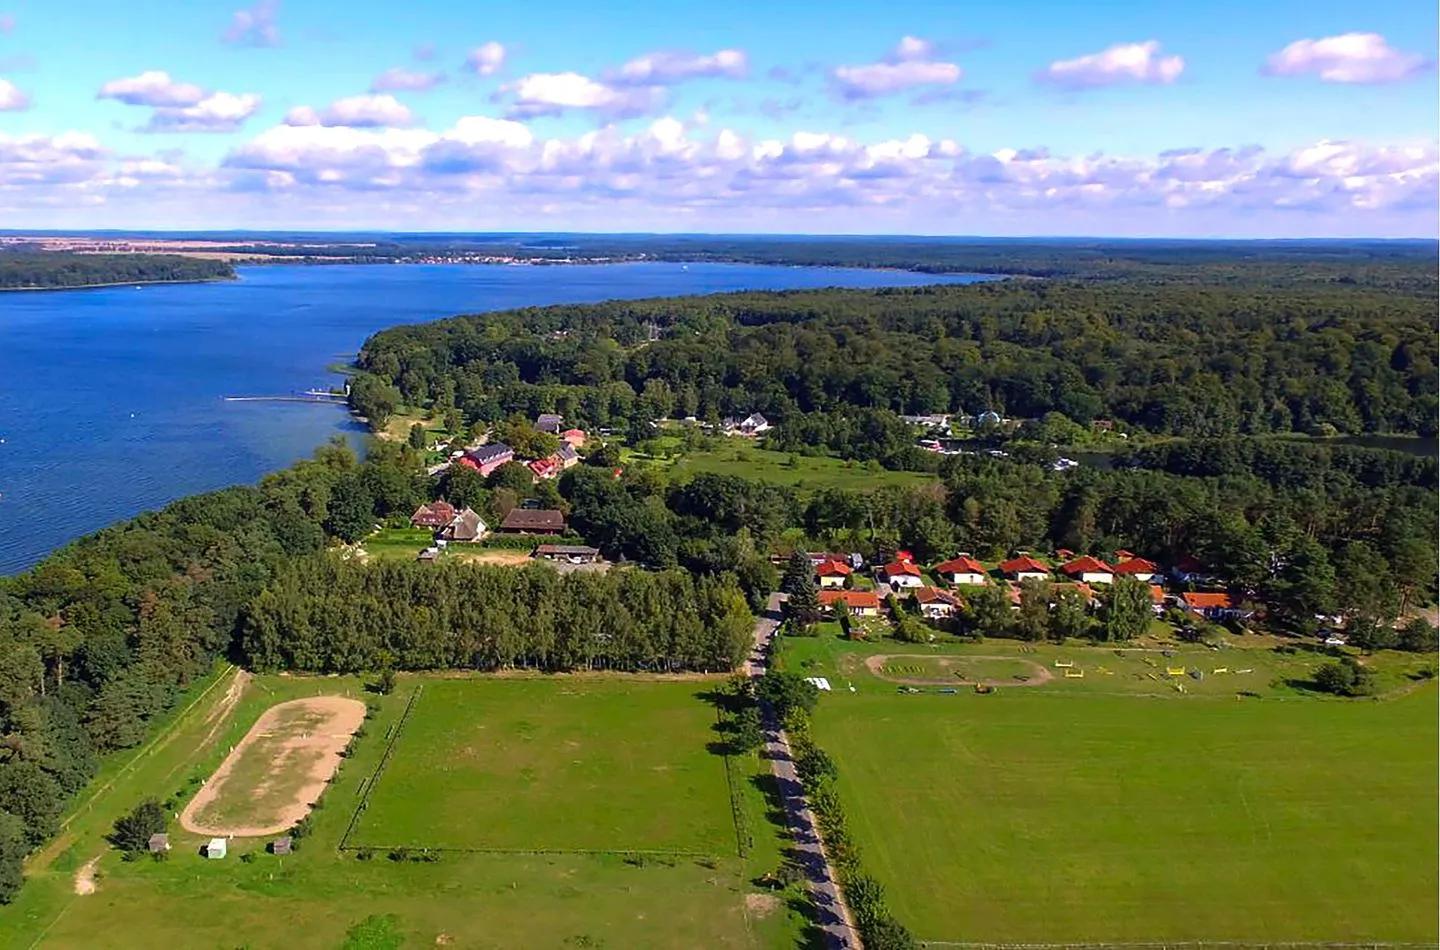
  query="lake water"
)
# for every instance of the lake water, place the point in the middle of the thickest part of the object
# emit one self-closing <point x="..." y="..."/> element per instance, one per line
<point x="111" y="400"/>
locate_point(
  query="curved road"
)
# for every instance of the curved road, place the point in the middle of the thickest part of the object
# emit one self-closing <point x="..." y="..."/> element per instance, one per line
<point x="832" y="911"/>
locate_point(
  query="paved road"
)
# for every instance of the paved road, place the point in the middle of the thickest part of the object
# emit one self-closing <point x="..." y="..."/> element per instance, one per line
<point x="833" y="912"/>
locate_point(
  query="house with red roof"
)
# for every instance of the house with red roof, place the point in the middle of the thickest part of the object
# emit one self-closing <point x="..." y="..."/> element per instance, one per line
<point x="1090" y="570"/>
<point x="903" y="573"/>
<point x="832" y="574"/>
<point x="1157" y="598"/>
<point x="1024" y="568"/>
<point x="490" y="456"/>
<point x="433" y="516"/>
<point x="575" y="438"/>
<point x="1213" y="605"/>
<point x="936" y="603"/>
<point x="962" y="570"/>
<point x="859" y="603"/>
<point x="544" y="468"/>
<point x="1136" y="567"/>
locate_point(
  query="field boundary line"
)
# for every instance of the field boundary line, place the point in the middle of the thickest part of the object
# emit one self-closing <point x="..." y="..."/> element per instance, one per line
<point x="737" y="804"/>
<point x="369" y="784"/>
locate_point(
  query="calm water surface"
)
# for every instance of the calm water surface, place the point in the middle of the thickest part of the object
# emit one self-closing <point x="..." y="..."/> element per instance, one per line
<point x="111" y="400"/>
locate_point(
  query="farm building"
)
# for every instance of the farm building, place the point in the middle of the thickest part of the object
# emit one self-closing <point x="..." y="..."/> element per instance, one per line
<point x="529" y="521"/>
<point x="574" y="553"/>
<point x="215" y="849"/>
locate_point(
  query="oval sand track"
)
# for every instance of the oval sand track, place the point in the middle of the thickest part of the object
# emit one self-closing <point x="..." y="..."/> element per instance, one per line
<point x="269" y="781"/>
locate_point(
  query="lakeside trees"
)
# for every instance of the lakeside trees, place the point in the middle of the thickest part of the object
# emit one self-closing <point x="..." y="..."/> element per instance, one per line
<point x="58" y="269"/>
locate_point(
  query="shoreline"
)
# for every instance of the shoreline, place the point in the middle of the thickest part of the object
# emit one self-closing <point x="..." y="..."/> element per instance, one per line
<point x="117" y="283"/>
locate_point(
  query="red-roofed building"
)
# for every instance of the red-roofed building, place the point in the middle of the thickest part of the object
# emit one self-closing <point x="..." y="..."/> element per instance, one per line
<point x="860" y="603"/>
<point x="436" y="515"/>
<point x="1024" y="568"/>
<point x="575" y="437"/>
<point x="1212" y="605"/>
<point x="1012" y="590"/>
<point x="1089" y="569"/>
<point x="1123" y="555"/>
<point x="903" y="572"/>
<point x="1064" y="554"/>
<point x="468" y="462"/>
<point x="1157" y="598"/>
<point x="936" y="604"/>
<point x="544" y="468"/>
<point x="962" y="570"/>
<point x="832" y="574"/>
<point x="1136" y="567"/>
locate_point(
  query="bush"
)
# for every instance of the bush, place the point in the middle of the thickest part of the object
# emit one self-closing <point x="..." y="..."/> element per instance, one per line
<point x="1345" y="678"/>
<point x="132" y="832"/>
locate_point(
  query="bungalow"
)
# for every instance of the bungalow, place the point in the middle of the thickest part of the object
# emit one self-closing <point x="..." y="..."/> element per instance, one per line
<point x="963" y="569"/>
<point x="531" y="521"/>
<point x="544" y="468"/>
<point x="490" y="456"/>
<point x="466" y="527"/>
<point x="1136" y="567"/>
<point x="1212" y="605"/>
<point x="574" y="438"/>
<point x="549" y="422"/>
<point x="936" y="604"/>
<point x="1090" y="570"/>
<point x="573" y="553"/>
<point x="860" y="603"/>
<point x="904" y="573"/>
<point x="1189" y="569"/>
<point x="1024" y="568"/>
<point x="832" y="574"/>
<point x="433" y="516"/>
<point x="566" y="456"/>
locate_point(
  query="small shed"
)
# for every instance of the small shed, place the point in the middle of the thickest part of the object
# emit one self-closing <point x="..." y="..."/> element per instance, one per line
<point x="281" y="845"/>
<point x="215" y="848"/>
<point x="159" y="843"/>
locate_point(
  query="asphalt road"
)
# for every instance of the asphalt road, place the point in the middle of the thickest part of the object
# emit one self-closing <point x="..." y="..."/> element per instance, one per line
<point x="832" y="911"/>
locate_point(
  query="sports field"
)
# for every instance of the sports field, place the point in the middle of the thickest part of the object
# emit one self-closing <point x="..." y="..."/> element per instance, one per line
<point x="566" y="764"/>
<point x="1046" y="816"/>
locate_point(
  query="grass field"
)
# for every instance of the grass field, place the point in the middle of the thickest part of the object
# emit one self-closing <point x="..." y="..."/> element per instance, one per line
<point x="737" y="456"/>
<point x="1073" y="812"/>
<point x="562" y="764"/>
<point x="323" y="899"/>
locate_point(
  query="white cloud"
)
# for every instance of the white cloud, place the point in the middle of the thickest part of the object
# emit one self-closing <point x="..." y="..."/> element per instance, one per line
<point x="665" y="68"/>
<point x="12" y="99"/>
<point x="254" y="25"/>
<point x="486" y="59"/>
<point x="33" y="160"/>
<point x="218" y="112"/>
<point x="1121" y="63"/>
<point x="359" y="112"/>
<point x="153" y="87"/>
<point x="400" y="79"/>
<point x="1347" y="58"/>
<point x="911" y="63"/>
<point x="553" y="93"/>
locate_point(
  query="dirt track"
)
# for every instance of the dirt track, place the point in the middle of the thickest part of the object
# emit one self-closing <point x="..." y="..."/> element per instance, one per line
<point x="876" y="665"/>
<point x="328" y="723"/>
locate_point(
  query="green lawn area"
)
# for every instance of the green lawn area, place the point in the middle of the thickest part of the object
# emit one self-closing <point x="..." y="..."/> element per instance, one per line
<point x="398" y="543"/>
<point x="737" y="456"/>
<point x="575" y="764"/>
<point x="314" y="898"/>
<point x="1067" y="813"/>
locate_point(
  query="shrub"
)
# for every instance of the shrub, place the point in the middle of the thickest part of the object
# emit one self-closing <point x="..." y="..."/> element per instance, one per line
<point x="132" y="832"/>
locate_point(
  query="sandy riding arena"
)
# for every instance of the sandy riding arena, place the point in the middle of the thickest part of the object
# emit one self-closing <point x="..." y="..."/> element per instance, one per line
<point x="922" y="670"/>
<point x="269" y="781"/>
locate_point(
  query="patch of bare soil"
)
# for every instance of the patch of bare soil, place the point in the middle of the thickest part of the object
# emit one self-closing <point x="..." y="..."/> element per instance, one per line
<point x="220" y="715"/>
<point x="876" y="665"/>
<point x="85" y="877"/>
<point x="760" y="906"/>
<point x="328" y="721"/>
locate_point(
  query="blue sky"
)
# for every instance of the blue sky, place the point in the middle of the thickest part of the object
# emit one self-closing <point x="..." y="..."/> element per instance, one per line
<point x="1264" y="118"/>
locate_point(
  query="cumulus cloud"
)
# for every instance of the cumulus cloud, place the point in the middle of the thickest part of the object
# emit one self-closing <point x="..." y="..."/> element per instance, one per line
<point x="910" y="64"/>
<point x="357" y="112"/>
<point x="399" y="79"/>
<point x="1347" y="58"/>
<point x="1121" y="63"/>
<point x="666" y="68"/>
<point x="218" y="112"/>
<point x="554" y="93"/>
<point x="486" y="59"/>
<point x="153" y="87"/>
<point x="11" y="98"/>
<point x="33" y="160"/>
<point x="254" y="25"/>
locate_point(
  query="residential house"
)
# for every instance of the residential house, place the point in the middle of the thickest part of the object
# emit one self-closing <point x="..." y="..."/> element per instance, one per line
<point x="549" y="422"/>
<point x="575" y="438"/>
<point x="572" y="553"/>
<point x="860" y="603"/>
<point x="433" y="516"/>
<point x="1086" y="592"/>
<point x="532" y="521"/>
<point x="903" y="573"/>
<point x="832" y="574"/>
<point x="544" y="468"/>
<point x="963" y="569"/>
<point x="1157" y="599"/>
<point x="1064" y="554"/>
<point x="1136" y="567"/>
<point x="466" y="527"/>
<point x="751" y="426"/>
<point x="1213" y="605"/>
<point x="566" y="456"/>
<point x="1090" y="570"/>
<point x="936" y="603"/>
<point x="1189" y="569"/>
<point x="1024" y="568"/>
<point x="490" y="456"/>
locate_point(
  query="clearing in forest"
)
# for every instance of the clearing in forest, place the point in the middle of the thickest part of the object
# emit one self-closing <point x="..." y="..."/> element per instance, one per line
<point x="270" y="780"/>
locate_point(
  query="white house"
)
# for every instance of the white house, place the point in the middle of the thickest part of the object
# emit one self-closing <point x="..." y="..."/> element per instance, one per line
<point x="903" y="574"/>
<point x="1089" y="570"/>
<point x="962" y="570"/>
<point x="936" y="604"/>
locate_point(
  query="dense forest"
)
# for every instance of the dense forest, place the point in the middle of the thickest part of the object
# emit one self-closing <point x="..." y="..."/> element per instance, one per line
<point x="57" y="270"/>
<point x="1195" y="360"/>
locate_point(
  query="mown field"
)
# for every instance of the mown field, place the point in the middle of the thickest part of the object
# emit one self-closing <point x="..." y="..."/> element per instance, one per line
<point x="324" y="899"/>
<point x="742" y="457"/>
<point x="1070" y="812"/>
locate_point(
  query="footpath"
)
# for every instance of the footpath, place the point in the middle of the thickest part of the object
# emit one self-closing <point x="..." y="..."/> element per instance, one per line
<point x="833" y="913"/>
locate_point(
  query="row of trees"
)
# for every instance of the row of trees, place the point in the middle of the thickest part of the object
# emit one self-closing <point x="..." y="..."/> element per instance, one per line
<point x="40" y="271"/>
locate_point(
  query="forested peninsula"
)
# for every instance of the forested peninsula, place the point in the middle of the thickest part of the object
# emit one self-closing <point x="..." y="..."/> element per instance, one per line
<point x="1190" y="382"/>
<point x="64" y="271"/>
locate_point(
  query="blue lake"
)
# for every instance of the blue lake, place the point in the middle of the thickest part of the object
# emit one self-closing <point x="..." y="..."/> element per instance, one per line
<point x="111" y="401"/>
